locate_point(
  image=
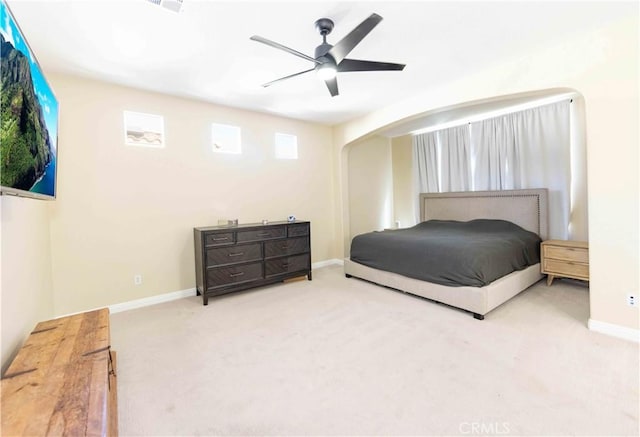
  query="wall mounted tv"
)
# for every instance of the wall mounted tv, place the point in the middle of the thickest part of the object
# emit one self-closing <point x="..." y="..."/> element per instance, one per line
<point x="28" y="117"/>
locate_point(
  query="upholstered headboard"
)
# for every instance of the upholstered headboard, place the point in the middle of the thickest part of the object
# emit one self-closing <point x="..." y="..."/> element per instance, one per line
<point x="526" y="208"/>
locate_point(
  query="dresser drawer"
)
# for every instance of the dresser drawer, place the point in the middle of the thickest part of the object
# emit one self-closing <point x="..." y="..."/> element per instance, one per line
<point x="565" y="268"/>
<point x="218" y="239"/>
<point x="576" y="254"/>
<point x="233" y="254"/>
<point x="297" y="230"/>
<point x="289" y="264"/>
<point x="223" y="276"/>
<point x="262" y="234"/>
<point x="286" y="247"/>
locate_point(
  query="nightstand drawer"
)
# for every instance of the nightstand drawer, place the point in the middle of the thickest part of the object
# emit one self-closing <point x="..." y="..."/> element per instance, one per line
<point x="576" y="254"/>
<point x="566" y="268"/>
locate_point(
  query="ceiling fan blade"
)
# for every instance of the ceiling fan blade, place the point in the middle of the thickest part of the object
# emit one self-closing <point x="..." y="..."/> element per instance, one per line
<point x="346" y="44"/>
<point x="285" y="48"/>
<point x="287" y="77"/>
<point x="332" y="84"/>
<point x="358" y="65"/>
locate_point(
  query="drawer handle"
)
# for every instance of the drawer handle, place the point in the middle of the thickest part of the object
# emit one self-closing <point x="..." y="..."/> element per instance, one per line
<point x="220" y="239"/>
<point x="284" y="246"/>
<point x="233" y="275"/>
<point x="263" y="234"/>
<point x="236" y="254"/>
<point x="285" y="265"/>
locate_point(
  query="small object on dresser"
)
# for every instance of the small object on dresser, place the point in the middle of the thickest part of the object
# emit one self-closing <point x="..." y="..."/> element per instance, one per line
<point x="265" y="221"/>
<point x="291" y="218"/>
<point x="227" y="222"/>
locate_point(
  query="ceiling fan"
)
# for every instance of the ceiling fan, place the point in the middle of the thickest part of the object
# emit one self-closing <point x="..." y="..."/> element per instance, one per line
<point x="331" y="59"/>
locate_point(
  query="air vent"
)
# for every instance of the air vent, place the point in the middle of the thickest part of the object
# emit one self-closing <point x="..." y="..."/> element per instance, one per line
<point x="172" y="5"/>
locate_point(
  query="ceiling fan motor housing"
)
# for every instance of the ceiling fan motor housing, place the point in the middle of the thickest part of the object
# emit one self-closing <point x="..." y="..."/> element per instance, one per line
<point x="324" y="26"/>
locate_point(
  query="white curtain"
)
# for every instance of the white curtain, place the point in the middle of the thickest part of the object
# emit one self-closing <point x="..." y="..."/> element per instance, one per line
<point x="425" y="159"/>
<point x="442" y="160"/>
<point x="544" y="134"/>
<point x="455" y="164"/>
<point x="497" y="160"/>
<point x="527" y="149"/>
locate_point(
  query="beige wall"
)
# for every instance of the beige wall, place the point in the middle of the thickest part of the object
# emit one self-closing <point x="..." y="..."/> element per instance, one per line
<point x="403" y="198"/>
<point x="370" y="185"/>
<point x="26" y="289"/>
<point x="124" y="210"/>
<point x="602" y="65"/>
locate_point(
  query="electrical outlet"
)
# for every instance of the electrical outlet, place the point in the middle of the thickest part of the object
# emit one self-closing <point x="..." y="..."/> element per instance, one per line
<point x="137" y="279"/>
<point x="632" y="300"/>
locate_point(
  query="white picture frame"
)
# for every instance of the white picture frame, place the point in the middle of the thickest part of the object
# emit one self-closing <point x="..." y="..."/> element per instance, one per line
<point x="143" y="130"/>
<point x="226" y="138"/>
<point x="286" y="146"/>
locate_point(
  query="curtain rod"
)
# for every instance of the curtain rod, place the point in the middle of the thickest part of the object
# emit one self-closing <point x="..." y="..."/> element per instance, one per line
<point x="493" y="114"/>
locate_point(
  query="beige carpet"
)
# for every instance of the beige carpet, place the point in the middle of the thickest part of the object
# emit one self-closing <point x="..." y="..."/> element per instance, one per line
<point x="342" y="356"/>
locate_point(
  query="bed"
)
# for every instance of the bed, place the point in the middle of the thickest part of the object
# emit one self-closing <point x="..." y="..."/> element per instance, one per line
<point x="525" y="208"/>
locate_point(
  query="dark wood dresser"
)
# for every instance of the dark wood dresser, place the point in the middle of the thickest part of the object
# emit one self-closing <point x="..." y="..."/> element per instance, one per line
<point x="234" y="258"/>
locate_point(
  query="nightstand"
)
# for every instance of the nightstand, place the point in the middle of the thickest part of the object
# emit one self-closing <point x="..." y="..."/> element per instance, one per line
<point x="564" y="258"/>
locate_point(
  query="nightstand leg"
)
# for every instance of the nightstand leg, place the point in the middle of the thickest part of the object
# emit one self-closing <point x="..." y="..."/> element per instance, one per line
<point x="549" y="279"/>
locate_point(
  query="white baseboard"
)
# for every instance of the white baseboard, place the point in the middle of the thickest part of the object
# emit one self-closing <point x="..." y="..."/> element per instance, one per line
<point x="175" y="295"/>
<point x="327" y="262"/>
<point x="151" y="300"/>
<point x="615" y="330"/>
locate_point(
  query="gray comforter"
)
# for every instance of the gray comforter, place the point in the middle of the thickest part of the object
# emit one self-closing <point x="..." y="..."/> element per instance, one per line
<point x="452" y="253"/>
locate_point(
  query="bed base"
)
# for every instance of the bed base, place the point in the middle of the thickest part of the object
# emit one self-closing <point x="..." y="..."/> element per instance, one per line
<point x="475" y="315"/>
<point x="477" y="300"/>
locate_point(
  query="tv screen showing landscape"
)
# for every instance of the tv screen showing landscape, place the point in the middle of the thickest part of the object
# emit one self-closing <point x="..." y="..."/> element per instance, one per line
<point x="28" y="118"/>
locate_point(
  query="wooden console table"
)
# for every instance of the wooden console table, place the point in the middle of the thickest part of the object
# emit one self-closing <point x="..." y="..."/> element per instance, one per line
<point x="63" y="381"/>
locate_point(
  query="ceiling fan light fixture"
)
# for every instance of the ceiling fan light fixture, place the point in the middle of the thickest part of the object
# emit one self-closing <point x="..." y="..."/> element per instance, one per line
<point x="326" y="71"/>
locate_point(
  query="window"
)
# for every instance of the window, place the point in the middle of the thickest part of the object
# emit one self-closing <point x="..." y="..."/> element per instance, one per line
<point x="225" y="138"/>
<point x="286" y="146"/>
<point x="146" y="130"/>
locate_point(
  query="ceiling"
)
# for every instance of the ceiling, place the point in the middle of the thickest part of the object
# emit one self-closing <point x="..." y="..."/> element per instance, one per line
<point x="204" y="51"/>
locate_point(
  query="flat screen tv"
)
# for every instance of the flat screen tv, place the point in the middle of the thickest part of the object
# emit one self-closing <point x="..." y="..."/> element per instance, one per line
<point x="28" y="118"/>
